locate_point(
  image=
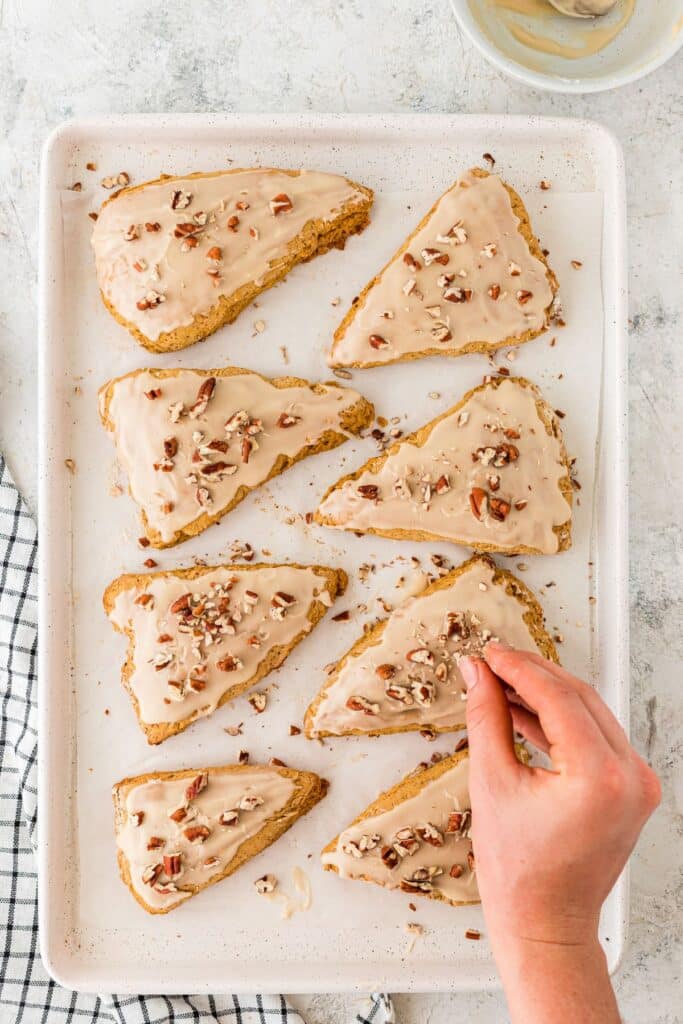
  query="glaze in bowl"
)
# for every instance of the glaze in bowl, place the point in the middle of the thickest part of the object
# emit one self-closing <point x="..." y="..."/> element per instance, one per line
<point x="651" y="37"/>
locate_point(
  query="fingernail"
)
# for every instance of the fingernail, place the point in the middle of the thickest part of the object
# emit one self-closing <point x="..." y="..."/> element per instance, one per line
<point x="469" y="670"/>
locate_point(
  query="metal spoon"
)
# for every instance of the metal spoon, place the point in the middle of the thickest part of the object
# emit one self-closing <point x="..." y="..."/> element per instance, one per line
<point x="584" y="8"/>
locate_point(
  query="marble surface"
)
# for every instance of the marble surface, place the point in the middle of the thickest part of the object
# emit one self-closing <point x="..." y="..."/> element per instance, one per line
<point x="80" y="57"/>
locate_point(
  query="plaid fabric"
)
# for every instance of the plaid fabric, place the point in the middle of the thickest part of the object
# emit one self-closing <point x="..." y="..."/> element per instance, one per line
<point x="27" y="994"/>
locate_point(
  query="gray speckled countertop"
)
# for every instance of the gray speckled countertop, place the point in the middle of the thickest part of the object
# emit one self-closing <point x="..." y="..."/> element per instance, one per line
<point x="81" y="57"/>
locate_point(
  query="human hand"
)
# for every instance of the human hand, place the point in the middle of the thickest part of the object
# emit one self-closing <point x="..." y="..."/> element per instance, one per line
<point x="549" y="845"/>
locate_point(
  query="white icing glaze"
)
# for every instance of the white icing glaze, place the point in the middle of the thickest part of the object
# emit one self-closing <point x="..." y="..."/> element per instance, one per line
<point x="165" y="693"/>
<point x="177" y="269"/>
<point x="481" y="610"/>
<point x="169" y="495"/>
<point x="224" y="791"/>
<point x="438" y="295"/>
<point x="408" y="472"/>
<point x="433" y="805"/>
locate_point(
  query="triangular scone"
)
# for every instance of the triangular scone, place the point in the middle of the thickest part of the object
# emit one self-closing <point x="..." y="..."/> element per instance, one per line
<point x="402" y="675"/>
<point x="199" y="637"/>
<point x="471" y="278"/>
<point x="491" y="473"/>
<point x="194" y="443"/>
<point x="179" y="832"/>
<point x="414" y="837"/>
<point x="179" y="257"/>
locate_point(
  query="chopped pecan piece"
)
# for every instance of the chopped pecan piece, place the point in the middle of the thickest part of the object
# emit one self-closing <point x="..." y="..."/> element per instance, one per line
<point x="389" y="856"/>
<point x="155" y="843"/>
<point x="456" y="871"/>
<point x="173" y="865"/>
<point x="523" y="296"/>
<point x="229" y="663"/>
<point x="197" y="833"/>
<point x="430" y="834"/>
<point x="478" y="501"/>
<point x="499" y="508"/>
<point x="267" y="883"/>
<point x="459" y="823"/>
<point x="287" y="419"/>
<point x="377" y="341"/>
<point x="369" y="491"/>
<point x="420" y="656"/>
<point x="204" y="395"/>
<point x="199" y="783"/>
<point x="386" y="671"/>
<point x="357" y="703"/>
<point x="411" y="262"/>
<point x="258" y="702"/>
<point x="406" y="842"/>
<point x="281" y="203"/>
<point x="228" y="818"/>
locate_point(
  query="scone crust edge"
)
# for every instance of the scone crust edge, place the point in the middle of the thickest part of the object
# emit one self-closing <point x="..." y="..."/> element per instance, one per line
<point x="525" y="229"/>
<point x="354" y="419"/>
<point x="420" y="437"/>
<point x="514" y="587"/>
<point x="335" y="579"/>
<point x="310" y="789"/>
<point x="316" y="238"/>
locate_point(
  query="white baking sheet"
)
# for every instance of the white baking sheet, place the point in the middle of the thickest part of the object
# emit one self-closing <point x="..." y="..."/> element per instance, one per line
<point x="353" y="935"/>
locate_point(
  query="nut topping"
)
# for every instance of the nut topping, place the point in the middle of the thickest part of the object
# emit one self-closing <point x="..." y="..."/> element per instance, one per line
<point x="478" y="502"/>
<point x="377" y="341"/>
<point x="204" y="395"/>
<point x="258" y="702"/>
<point x="265" y="884"/>
<point x="430" y="834"/>
<point x="420" y="656"/>
<point x="229" y="663"/>
<point x="281" y="203"/>
<point x="523" y="296"/>
<point x="434" y="256"/>
<point x="287" y="419"/>
<point x="173" y="865"/>
<point x="180" y="200"/>
<point x="411" y="262"/>
<point x="228" y="818"/>
<point x="357" y="703"/>
<point x="386" y="671"/>
<point x="197" y="833"/>
<point x="389" y="856"/>
<point x="369" y="491"/>
<point x="150" y="300"/>
<point x="199" y="783"/>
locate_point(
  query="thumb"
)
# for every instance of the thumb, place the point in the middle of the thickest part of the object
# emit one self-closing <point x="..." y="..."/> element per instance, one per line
<point x="489" y="722"/>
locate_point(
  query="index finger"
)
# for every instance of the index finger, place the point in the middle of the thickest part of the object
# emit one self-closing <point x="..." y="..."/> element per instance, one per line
<point x="573" y="734"/>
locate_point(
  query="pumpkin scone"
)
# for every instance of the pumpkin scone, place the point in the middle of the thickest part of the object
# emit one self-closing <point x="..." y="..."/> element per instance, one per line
<point x="194" y="443"/>
<point x="491" y="473"/>
<point x="402" y="675"/>
<point x="472" y="277"/>
<point x="178" y="257"/>
<point x="200" y="637"/>
<point x="415" y="837"/>
<point x="178" y="832"/>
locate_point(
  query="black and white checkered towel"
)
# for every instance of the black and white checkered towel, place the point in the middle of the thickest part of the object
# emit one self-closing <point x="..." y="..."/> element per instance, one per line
<point x="27" y="994"/>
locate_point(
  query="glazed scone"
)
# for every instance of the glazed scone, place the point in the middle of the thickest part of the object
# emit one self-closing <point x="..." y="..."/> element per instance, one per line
<point x="402" y="675"/>
<point x="179" y="832"/>
<point x="178" y="257"/>
<point x="199" y="637"/>
<point x="194" y="443"/>
<point x="471" y="278"/>
<point x="415" y="837"/>
<point x="491" y="473"/>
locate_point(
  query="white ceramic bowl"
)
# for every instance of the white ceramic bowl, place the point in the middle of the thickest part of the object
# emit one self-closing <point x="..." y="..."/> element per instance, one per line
<point x="652" y="36"/>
